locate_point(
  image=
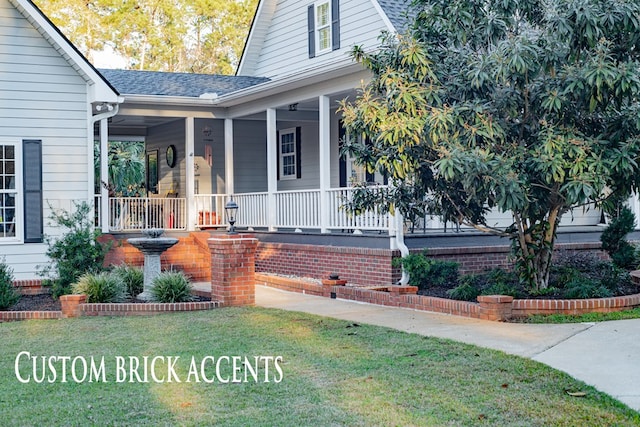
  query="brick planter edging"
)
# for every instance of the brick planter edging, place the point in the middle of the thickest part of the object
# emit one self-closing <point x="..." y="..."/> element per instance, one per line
<point x="10" y="316"/>
<point x="489" y="307"/>
<point x="527" y="307"/>
<point x="141" y="309"/>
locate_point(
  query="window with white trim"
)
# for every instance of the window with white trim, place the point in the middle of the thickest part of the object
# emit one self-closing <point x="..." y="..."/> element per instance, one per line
<point x="288" y="154"/>
<point x="10" y="190"/>
<point x="323" y="27"/>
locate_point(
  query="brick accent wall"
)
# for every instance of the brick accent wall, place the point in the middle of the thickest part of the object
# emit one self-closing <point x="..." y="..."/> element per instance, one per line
<point x="233" y="269"/>
<point x="357" y="265"/>
<point x="31" y="287"/>
<point x="190" y="255"/>
<point x="475" y="259"/>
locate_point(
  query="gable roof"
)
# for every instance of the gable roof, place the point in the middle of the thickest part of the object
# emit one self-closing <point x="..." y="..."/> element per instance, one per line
<point x="99" y="88"/>
<point x="393" y="12"/>
<point x="396" y="11"/>
<point x="176" y="84"/>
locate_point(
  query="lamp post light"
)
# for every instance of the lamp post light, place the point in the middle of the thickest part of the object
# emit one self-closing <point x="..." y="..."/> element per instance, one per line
<point x="231" y="210"/>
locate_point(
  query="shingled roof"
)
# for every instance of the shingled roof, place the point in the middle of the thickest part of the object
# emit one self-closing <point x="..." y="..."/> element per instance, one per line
<point x="396" y="11"/>
<point x="130" y="82"/>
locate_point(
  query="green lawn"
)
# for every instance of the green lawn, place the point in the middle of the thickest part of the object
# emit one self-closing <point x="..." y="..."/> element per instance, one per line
<point x="333" y="373"/>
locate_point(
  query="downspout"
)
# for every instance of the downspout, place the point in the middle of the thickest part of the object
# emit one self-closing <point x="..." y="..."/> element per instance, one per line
<point x="111" y="110"/>
<point x="402" y="247"/>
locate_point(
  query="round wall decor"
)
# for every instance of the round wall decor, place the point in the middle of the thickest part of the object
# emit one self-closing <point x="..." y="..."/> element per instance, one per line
<point x="171" y="155"/>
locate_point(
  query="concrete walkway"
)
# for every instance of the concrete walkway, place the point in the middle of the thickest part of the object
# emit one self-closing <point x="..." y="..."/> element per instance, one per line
<point x="605" y="355"/>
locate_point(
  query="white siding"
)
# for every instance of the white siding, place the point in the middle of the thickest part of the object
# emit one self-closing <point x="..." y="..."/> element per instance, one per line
<point x="159" y="138"/>
<point x="250" y="156"/>
<point x="309" y="161"/>
<point x="42" y="97"/>
<point x="285" y="47"/>
<point x="209" y="179"/>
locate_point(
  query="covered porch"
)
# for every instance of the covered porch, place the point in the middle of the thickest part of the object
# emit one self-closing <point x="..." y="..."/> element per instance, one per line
<point x="275" y="152"/>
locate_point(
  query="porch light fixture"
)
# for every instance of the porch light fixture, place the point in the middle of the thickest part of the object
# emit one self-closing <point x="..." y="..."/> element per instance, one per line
<point x="231" y="210"/>
<point x="293" y="107"/>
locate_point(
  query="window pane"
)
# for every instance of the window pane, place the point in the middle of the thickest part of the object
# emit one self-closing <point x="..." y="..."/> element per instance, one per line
<point x="323" y="14"/>
<point x="10" y="168"/>
<point x="288" y="165"/>
<point x="324" y="41"/>
<point x="10" y="152"/>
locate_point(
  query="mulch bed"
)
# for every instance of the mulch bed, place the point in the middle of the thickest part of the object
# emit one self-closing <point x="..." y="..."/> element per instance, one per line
<point x="45" y="302"/>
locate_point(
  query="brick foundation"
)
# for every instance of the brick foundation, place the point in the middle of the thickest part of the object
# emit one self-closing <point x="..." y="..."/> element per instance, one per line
<point x="233" y="269"/>
<point x="357" y="265"/>
<point x="476" y="259"/>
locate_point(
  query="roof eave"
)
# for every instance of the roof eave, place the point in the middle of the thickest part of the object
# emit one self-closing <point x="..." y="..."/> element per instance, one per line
<point x="292" y="81"/>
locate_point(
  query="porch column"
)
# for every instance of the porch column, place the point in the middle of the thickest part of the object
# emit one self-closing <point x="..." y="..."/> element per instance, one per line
<point x="104" y="175"/>
<point x="324" y="138"/>
<point x="190" y="172"/>
<point x="228" y="156"/>
<point x="272" y="168"/>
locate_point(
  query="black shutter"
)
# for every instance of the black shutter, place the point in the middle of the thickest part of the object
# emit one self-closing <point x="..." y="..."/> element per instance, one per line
<point x="335" y="24"/>
<point x="298" y="152"/>
<point x="311" y="22"/>
<point x="278" y="154"/>
<point x="342" y="133"/>
<point x="32" y="177"/>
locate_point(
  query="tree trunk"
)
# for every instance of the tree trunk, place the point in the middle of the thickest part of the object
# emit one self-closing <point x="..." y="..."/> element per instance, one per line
<point x="533" y="249"/>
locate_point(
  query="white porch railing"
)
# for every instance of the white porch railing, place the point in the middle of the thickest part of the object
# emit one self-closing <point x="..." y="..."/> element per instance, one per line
<point x="253" y="211"/>
<point x="294" y="209"/>
<point x="210" y="208"/>
<point x="139" y="213"/>
<point x="340" y="219"/>
<point x="298" y="209"/>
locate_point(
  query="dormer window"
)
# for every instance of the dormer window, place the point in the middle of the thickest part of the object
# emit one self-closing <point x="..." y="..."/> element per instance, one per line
<point x="324" y="27"/>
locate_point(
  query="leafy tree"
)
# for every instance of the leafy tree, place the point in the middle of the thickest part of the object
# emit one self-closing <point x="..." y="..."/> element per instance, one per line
<point x="526" y="106"/>
<point x="203" y="36"/>
<point x="126" y="168"/>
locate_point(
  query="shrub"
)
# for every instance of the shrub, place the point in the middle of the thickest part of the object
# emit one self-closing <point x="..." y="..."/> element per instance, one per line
<point x="500" y="282"/>
<point x="8" y="294"/>
<point x="613" y="239"/>
<point x="425" y="273"/>
<point x="132" y="277"/>
<point x="586" y="288"/>
<point x="417" y="267"/>
<point x="467" y="290"/>
<point x="171" y="286"/>
<point x="583" y="275"/>
<point x="444" y="273"/>
<point x="74" y="253"/>
<point x="101" y="287"/>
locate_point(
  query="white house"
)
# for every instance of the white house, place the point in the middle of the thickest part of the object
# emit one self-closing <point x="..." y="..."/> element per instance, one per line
<point x="268" y="137"/>
<point x="49" y="96"/>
